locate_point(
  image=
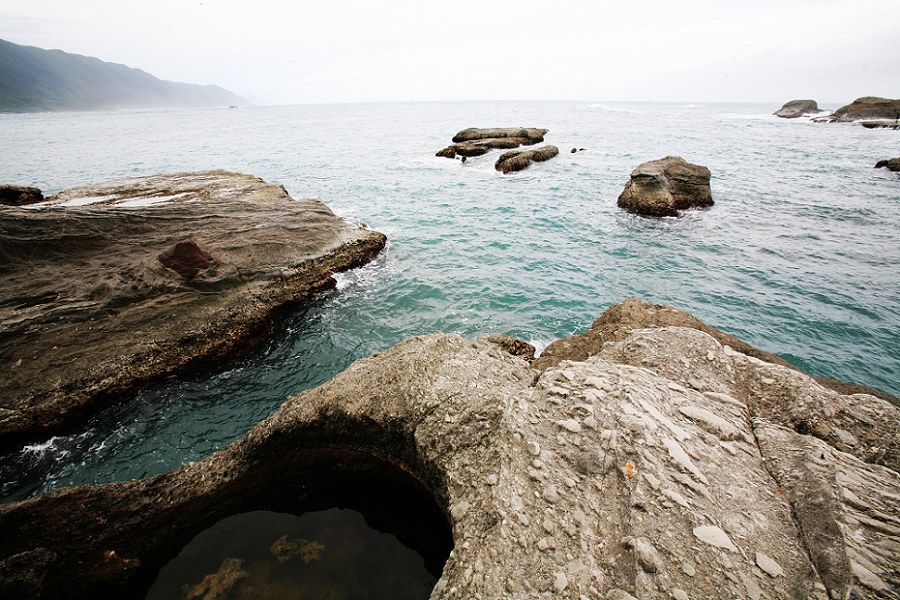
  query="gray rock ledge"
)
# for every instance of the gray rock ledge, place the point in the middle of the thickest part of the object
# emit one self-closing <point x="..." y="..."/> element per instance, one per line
<point x="653" y="469"/>
<point x="88" y="312"/>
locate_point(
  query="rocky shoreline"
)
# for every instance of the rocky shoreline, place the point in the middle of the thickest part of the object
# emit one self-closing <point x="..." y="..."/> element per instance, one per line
<point x="639" y="460"/>
<point x="90" y="312"/>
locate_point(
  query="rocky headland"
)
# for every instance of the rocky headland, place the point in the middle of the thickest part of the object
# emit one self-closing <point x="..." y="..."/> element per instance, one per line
<point x="108" y="287"/>
<point x="662" y="463"/>
<point x="661" y="188"/>
<point x="795" y="109"/>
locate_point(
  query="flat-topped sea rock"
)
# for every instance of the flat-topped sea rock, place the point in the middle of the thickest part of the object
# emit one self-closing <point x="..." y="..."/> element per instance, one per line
<point x="797" y="108"/>
<point x="650" y="470"/>
<point x="106" y="287"/>
<point x="868" y="108"/>
<point x="661" y="188"/>
<point x="522" y="159"/>
<point x="477" y="142"/>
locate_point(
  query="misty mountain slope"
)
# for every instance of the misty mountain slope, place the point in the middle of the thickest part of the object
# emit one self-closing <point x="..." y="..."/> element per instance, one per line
<point x="34" y="79"/>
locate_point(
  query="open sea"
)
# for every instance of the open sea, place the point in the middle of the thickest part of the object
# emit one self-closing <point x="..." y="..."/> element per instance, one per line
<point x="799" y="256"/>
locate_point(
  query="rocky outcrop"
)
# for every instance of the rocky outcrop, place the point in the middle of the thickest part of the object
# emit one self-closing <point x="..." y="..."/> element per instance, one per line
<point x="477" y="142"/>
<point x="522" y="159"/>
<point x="661" y="188"/>
<point x="868" y="108"/>
<point x="797" y="108"/>
<point x="17" y="195"/>
<point x="101" y="292"/>
<point x="654" y="469"/>
<point x="892" y="164"/>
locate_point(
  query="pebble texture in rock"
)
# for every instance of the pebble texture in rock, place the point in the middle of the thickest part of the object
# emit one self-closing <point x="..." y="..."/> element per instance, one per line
<point x="89" y="310"/>
<point x="661" y="188"/>
<point x="653" y="470"/>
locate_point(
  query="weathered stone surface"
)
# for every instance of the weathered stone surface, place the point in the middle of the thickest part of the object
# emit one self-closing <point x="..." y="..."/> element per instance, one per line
<point x="660" y="188"/>
<point x="17" y="195"/>
<point x="752" y="509"/>
<point x="185" y="258"/>
<point x="868" y="107"/>
<point x="797" y="108"/>
<point x="892" y="164"/>
<point x="522" y="159"/>
<point x="88" y="312"/>
<point x="621" y="318"/>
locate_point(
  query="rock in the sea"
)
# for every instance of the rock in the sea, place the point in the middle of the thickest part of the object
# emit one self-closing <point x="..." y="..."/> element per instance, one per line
<point x="17" y="195"/>
<point x="797" y="108"/>
<point x="91" y="308"/>
<point x="660" y="188"/>
<point x="522" y="159"/>
<point x="868" y="107"/>
<point x="476" y="142"/>
<point x="687" y="507"/>
<point x="892" y="164"/>
<point x="741" y="505"/>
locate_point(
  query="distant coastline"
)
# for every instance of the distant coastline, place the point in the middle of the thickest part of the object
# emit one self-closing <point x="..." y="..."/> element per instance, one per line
<point x="37" y="80"/>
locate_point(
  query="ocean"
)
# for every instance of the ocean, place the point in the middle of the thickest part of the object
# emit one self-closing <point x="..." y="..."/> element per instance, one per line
<point x="799" y="256"/>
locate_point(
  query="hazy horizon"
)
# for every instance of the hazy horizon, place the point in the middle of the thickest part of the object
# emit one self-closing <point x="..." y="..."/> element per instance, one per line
<point x="278" y="52"/>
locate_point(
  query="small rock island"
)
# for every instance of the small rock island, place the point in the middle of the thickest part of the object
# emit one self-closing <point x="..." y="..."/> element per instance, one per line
<point x="795" y="109"/>
<point x="108" y="287"/>
<point x="661" y="188"/>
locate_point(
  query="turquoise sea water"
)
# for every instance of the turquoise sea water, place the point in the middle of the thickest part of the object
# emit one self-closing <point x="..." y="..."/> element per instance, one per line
<point x="800" y="255"/>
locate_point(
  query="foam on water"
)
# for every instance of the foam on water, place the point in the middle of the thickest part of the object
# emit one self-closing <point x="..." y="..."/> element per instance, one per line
<point x="798" y="256"/>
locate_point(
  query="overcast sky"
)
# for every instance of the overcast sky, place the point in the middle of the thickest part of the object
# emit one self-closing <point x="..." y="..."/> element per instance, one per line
<point x="297" y="51"/>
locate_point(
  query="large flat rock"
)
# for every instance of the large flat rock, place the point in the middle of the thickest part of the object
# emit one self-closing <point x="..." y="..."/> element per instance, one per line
<point x="88" y="312"/>
<point x="651" y="470"/>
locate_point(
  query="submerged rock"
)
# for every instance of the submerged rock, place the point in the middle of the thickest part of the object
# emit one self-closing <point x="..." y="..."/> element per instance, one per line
<point x="797" y="108"/>
<point x="666" y="465"/>
<point x="660" y="188"/>
<point x="522" y="159"/>
<point x="17" y="195"/>
<point x="868" y="107"/>
<point x="892" y="164"/>
<point x="101" y="293"/>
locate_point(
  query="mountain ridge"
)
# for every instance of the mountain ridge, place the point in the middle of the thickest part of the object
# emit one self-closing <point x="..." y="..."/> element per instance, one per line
<point x="34" y="79"/>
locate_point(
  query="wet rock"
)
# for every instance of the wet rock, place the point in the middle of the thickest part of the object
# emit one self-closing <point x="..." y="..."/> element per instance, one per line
<point x="514" y="346"/>
<point x="216" y="586"/>
<point x="892" y="164"/>
<point x="532" y="134"/>
<point x="185" y="258"/>
<point x="522" y="159"/>
<point x="90" y="313"/>
<point x="868" y="107"/>
<point x="17" y="195"/>
<point x="797" y="108"/>
<point x="681" y="507"/>
<point x="661" y="188"/>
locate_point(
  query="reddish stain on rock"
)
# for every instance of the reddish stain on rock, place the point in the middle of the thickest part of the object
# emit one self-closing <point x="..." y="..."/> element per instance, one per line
<point x="185" y="258"/>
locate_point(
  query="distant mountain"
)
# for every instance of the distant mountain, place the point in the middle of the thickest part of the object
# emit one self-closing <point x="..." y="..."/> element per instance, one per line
<point x="33" y="79"/>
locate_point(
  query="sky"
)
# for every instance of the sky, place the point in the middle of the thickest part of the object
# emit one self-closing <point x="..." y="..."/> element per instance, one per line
<point x="299" y="51"/>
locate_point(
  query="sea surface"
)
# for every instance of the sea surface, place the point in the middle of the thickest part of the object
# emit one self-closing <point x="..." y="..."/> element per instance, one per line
<point x="799" y="256"/>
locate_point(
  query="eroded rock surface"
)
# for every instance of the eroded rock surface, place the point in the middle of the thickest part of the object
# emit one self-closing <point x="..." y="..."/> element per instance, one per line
<point x="89" y="310"/>
<point x="641" y="472"/>
<point x="661" y="188"/>
<point x="797" y="108"/>
<point x="522" y="159"/>
<point x="18" y="195"/>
